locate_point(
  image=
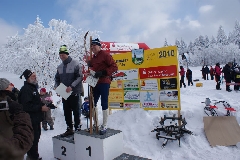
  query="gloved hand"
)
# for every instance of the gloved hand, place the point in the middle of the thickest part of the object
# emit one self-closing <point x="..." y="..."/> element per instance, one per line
<point x="99" y="74"/>
<point x="82" y="94"/>
<point x="51" y="106"/>
<point x="89" y="64"/>
<point x="14" y="107"/>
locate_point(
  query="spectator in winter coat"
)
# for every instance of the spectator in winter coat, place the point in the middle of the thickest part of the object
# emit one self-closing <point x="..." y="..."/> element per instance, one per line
<point x="228" y="75"/>
<point x="6" y="123"/>
<point x="203" y="73"/>
<point x="237" y="79"/>
<point x="189" y="77"/>
<point x="183" y="56"/>
<point x="31" y="102"/>
<point x="47" y="118"/>
<point x="16" y="133"/>
<point x="69" y="72"/>
<point x="212" y="72"/>
<point x="182" y="73"/>
<point x="206" y="70"/>
<point x="218" y="73"/>
<point x="104" y="66"/>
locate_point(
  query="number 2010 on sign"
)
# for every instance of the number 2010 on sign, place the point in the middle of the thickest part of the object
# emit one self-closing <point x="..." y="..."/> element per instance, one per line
<point x="164" y="54"/>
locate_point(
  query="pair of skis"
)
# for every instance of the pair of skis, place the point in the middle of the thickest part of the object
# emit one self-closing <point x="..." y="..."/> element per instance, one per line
<point x="92" y="112"/>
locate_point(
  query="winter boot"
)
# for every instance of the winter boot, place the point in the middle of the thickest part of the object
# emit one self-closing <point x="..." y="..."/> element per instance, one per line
<point x="78" y="128"/>
<point x="67" y="133"/>
<point x="51" y="128"/>
<point x="103" y="128"/>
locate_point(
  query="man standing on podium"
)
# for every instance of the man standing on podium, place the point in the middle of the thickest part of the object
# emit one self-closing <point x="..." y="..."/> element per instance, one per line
<point x="104" y="66"/>
<point x="69" y="72"/>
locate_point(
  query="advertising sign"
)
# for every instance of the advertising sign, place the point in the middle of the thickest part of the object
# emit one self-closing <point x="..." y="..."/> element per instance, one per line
<point x="147" y="79"/>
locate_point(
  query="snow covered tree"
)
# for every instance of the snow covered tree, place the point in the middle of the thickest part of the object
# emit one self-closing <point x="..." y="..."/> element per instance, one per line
<point x="165" y="43"/>
<point x="236" y="34"/>
<point x="221" y="37"/>
<point x="38" y="48"/>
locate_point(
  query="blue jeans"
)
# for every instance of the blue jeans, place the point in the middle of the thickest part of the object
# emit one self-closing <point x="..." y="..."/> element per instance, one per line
<point x="101" y="89"/>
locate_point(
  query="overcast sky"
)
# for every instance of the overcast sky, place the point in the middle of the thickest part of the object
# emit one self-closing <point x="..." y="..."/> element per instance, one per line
<point x="148" y="21"/>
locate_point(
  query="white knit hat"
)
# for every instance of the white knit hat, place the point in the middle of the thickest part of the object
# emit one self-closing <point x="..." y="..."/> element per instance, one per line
<point x="4" y="83"/>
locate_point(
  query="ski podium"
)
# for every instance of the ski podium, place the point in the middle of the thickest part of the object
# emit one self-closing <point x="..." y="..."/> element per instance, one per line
<point x="89" y="144"/>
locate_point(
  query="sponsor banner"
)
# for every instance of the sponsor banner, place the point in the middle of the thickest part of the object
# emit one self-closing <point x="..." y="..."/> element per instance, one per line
<point x="168" y="105"/>
<point x="149" y="99"/>
<point x="132" y="105"/>
<point x="116" y="85"/>
<point x="146" y="78"/>
<point x="139" y="58"/>
<point x="169" y="83"/>
<point x="158" y="72"/>
<point x="126" y="74"/>
<point x="131" y="96"/>
<point x="149" y="84"/>
<point x="114" y="47"/>
<point x="131" y="85"/>
<point x="168" y="95"/>
<point x="115" y="97"/>
<point x="115" y="105"/>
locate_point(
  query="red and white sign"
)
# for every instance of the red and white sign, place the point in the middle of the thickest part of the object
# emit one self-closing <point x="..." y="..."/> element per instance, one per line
<point x="115" y="47"/>
<point x="158" y="72"/>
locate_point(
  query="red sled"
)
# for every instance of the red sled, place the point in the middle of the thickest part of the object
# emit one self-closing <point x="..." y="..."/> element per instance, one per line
<point x="213" y="107"/>
<point x="230" y="109"/>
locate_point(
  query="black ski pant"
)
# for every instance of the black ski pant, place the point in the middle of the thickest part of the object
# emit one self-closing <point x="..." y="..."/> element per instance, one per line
<point x="228" y="80"/>
<point x="236" y="87"/>
<point x="33" y="152"/>
<point x="206" y="76"/>
<point x="190" y="80"/>
<point x="71" y="105"/>
<point x="182" y="82"/>
<point x="218" y="81"/>
<point x="212" y="77"/>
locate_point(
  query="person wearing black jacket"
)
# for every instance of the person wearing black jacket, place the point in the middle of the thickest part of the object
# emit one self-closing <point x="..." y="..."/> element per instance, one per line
<point x="206" y="71"/>
<point x="228" y="75"/>
<point x="189" y="77"/>
<point x="29" y="97"/>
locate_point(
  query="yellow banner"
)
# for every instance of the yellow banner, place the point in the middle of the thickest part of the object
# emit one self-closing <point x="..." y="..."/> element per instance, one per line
<point x="147" y="78"/>
<point x="149" y="58"/>
<point x="115" y="96"/>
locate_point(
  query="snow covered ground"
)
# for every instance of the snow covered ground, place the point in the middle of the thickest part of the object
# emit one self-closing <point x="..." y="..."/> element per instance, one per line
<point x="137" y="124"/>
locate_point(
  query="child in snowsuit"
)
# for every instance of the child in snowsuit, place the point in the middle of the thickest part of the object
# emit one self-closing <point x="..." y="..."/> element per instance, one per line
<point x="85" y="108"/>
<point x="189" y="77"/>
<point x="47" y="119"/>
<point x="182" y="74"/>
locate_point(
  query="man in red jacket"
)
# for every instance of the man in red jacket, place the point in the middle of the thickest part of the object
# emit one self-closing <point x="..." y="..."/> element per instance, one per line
<point x="104" y="66"/>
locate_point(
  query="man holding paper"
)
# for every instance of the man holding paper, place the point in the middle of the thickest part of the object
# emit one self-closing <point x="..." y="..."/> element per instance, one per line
<point x="69" y="72"/>
<point x="104" y="66"/>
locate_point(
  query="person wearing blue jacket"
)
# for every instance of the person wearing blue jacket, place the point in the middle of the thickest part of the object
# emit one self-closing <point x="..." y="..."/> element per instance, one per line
<point x="85" y="108"/>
